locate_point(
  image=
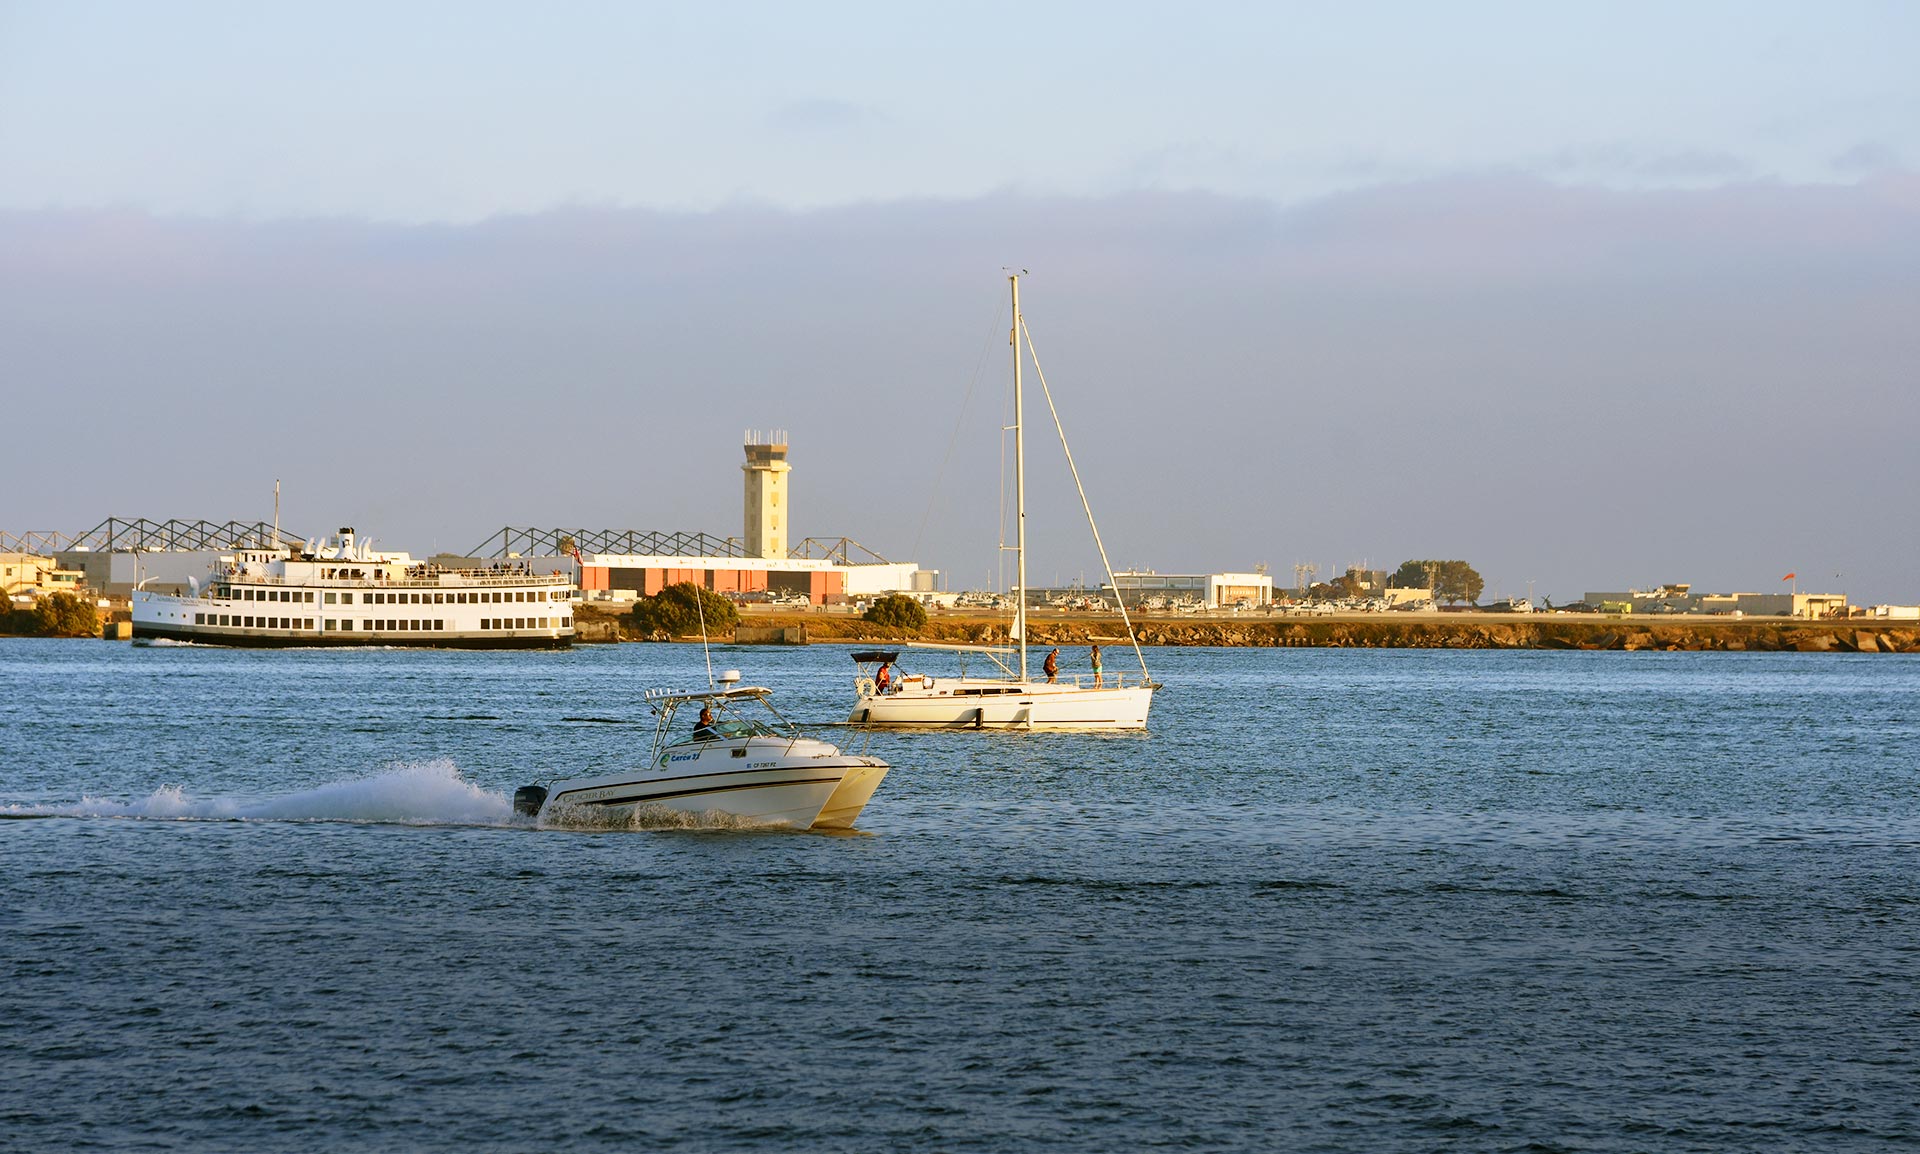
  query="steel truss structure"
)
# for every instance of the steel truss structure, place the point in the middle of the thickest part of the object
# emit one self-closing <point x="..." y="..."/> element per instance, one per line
<point x="531" y="542"/>
<point x="118" y="534"/>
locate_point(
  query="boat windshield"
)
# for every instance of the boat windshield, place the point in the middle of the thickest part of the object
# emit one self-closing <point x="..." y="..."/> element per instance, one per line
<point x="742" y="727"/>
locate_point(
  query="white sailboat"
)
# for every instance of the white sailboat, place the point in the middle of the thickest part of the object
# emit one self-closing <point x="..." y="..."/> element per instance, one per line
<point x="1009" y="698"/>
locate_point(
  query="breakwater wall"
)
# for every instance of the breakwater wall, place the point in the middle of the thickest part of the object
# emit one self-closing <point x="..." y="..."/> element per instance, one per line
<point x="1376" y="631"/>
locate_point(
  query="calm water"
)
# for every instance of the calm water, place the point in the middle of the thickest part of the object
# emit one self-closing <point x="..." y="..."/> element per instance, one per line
<point x="1338" y="900"/>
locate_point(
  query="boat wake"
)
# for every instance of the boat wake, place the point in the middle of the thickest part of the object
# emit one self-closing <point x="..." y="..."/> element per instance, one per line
<point x="416" y="793"/>
<point x="406" y="793"/>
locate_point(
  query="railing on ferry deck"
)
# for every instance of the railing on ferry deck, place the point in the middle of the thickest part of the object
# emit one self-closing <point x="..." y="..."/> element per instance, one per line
<point x="468" y="579"/>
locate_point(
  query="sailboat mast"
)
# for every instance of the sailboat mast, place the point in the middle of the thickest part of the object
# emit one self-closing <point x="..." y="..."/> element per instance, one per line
<point x="1019" y="490"/>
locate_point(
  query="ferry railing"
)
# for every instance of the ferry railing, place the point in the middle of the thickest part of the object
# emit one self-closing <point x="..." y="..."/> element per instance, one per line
<point x="464" y="579"/>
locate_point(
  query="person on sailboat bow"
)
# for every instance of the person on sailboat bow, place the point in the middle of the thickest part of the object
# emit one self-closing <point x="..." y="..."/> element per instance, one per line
<point x="1052" y="666"/>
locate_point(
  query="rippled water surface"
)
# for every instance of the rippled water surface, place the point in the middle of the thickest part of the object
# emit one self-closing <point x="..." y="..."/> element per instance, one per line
<point x="1337" y="900"/>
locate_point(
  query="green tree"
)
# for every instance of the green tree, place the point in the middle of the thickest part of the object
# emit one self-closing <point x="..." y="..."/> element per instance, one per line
<point x="897" y="611"/>
<point x="677" y="609"/>
<point x="1339" y="589"/>
<point x="1451" y="581"/>
<point x="58" y="615"/>
<point x="1410" y="575"/>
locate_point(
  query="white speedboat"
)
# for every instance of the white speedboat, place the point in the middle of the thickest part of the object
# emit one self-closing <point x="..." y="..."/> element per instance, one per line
<point x="748" y="762"/>
<point x="1012" y="699"/>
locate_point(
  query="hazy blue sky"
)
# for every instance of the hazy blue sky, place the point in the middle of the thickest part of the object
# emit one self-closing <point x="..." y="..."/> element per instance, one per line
<point x="1591" y="295"/>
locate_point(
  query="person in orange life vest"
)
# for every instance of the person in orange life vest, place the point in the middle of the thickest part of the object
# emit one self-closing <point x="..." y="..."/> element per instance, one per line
<point x="1052" y="665"/>
<point x="883" y="680"/>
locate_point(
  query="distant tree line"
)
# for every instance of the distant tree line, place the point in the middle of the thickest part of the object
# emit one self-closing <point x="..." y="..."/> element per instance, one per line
<point x="55" y="615"/>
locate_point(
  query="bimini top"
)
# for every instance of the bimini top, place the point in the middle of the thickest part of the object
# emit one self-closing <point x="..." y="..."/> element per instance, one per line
<point x="672" y="697"/>
<point x="865" y="655"/>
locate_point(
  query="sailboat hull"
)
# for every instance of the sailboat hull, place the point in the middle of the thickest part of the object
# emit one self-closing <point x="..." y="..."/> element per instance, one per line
<point x="972" y="704"/>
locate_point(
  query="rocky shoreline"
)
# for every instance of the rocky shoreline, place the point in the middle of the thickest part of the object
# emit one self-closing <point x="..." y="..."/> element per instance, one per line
<point x="1372" y="631"/>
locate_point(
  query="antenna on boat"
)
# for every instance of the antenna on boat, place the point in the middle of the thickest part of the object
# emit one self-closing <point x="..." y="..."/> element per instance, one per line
<point x="276" y="512"/>
<point x="700" y="604"/>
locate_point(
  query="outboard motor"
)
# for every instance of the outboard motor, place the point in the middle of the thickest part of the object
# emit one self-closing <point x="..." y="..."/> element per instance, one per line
<point x="528" y="799"/>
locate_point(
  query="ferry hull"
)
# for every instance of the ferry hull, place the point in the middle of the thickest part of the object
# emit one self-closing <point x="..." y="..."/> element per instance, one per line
<point x="266" y="639"/>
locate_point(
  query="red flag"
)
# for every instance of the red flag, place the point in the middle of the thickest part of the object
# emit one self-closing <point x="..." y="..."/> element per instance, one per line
<point x="1788" y="577"/>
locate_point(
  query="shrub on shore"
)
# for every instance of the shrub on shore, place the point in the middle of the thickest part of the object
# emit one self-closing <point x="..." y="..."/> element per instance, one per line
<point x="897" y="611"/>
<point x="676" y="611"/>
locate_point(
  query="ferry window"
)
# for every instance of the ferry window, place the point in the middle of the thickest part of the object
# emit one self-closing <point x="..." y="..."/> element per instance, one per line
<point x="332" y="624"/>
<point x="332" y="597"/>
<point x="346" y="599"/>
<point x="439" y="598"/>
<point x="198" y="618"/>
<point x="437" y="626"/>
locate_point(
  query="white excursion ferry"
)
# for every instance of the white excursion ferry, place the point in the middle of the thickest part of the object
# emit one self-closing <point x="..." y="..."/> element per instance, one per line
<point x="343" y="592"/>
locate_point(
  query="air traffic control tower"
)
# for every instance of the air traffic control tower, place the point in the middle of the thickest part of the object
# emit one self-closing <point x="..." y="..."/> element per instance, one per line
<point x="767" y="513"/>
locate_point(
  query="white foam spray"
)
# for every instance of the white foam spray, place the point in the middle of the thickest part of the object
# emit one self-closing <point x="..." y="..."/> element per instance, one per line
<point x="417" y="793"/>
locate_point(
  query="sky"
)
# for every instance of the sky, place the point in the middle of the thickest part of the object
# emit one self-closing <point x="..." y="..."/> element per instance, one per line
<point x="1590" y="295"/>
